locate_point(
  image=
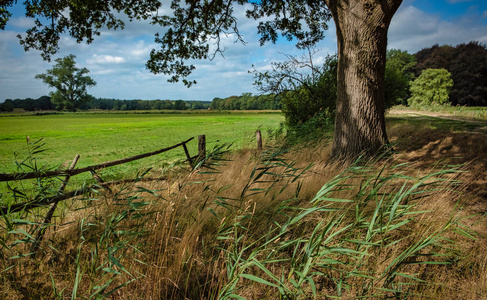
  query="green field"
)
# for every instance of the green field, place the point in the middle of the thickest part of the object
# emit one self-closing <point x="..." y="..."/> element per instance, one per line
<point x="105" y="137"/>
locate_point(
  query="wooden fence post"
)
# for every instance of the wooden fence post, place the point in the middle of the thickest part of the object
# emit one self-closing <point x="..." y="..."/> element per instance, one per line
<point x="258" y="136"/>
<point x="201" y="146"/>
<point x="52" y="209"/>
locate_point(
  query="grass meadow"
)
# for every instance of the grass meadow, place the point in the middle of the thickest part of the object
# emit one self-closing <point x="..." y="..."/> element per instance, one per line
<point x="104" y="137"/>
<point x="283" y="223"/>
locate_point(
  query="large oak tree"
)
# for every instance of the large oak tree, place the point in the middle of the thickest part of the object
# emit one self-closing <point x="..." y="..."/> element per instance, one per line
<point x="194" y="25"/>
<point x="70" y="83"/>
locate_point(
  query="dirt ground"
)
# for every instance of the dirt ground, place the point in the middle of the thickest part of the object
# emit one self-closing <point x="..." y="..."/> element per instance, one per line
<point x="425" y="147"/>
<point x="482" y="125"/>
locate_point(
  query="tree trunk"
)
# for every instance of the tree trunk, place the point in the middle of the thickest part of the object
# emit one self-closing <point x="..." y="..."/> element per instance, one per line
<point x="361" y="27"/>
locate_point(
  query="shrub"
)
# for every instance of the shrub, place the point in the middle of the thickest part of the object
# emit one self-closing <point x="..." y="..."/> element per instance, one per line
<point x="431" y="88"/>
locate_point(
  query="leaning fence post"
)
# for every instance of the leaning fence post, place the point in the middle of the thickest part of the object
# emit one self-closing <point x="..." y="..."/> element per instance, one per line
<point x="188" y="156"/>
<point x="52" y="209"/>
<point x="258" y="136"/>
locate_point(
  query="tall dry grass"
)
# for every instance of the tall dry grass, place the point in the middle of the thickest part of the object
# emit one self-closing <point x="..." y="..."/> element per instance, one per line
<point x="261" y="226"/>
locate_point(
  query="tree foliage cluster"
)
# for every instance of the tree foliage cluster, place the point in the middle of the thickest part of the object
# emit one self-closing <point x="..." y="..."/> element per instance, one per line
<point x="304" y="94"/>
<point x="467" y="64"/>
<point x="247" y="101"/>
<point x="431" y="88"/>
<point x="398" y="75"/>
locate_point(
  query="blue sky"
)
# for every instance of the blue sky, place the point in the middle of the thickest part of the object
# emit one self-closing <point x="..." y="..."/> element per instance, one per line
<point x="117" y="58"/>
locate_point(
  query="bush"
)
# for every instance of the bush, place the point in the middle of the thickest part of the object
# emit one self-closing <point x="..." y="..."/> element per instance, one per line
<point x="313" y="99"/>
<point x="431" y="88"/>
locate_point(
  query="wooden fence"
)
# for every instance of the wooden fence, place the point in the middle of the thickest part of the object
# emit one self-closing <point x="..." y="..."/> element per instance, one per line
<point x="71" y="171"/>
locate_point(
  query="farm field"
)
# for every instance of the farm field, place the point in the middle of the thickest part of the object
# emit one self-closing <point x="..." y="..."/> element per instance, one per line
<point x="104" y="137"/>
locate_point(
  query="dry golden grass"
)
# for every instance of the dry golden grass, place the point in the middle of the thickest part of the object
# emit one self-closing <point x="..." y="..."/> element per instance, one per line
<point x="172" y="247"/>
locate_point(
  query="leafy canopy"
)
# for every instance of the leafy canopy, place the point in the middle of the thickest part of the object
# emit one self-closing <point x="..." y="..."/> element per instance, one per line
<point x="191" y="26"/>
<point x="70" y="83"/>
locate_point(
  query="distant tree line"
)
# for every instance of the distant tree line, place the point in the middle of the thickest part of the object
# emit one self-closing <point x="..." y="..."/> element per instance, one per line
<point x="44" y="103"/>
<point x="28" y="104"/>
<point x="115" y="104"/>
<point x="247" y="101"/>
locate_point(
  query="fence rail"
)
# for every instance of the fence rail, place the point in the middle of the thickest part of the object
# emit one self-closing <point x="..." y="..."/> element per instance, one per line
<point x="68" y="173"/>
<point x="32" y="175"/>
<point x="61" y="195"/>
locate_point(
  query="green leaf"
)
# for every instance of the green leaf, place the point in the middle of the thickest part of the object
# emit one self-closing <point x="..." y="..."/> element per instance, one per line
<point x="258" y="280"/>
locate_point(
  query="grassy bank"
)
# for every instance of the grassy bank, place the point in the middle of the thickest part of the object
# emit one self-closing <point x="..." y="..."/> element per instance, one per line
<point x="278" y="224"/>
<point x="262" y="226"/>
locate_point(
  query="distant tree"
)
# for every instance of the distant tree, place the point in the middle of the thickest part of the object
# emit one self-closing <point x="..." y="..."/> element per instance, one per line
<point x="70" y="83"/>
<point x="28" y="104"/>
<point x="434" y="57"/>
<point x="432" y="87"/>
<point x="156" y="105"/>
<point x="215" y="103"/>
<point x="7" y="105"/>
<point x="44" y="103"/>
<point x="179" y="105"/>
<point x="399" y="72"/>
<point x="197" y="105"/>
<point x="469" y="74"/>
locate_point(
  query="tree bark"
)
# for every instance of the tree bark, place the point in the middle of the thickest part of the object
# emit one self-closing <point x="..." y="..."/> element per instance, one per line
<point x="361" y="27"/>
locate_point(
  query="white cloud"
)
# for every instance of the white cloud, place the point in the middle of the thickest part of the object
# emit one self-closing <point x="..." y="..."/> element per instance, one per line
<point x="105" y="59"/>
<point x="22" y="22"/>
<point x="413" y="29"/>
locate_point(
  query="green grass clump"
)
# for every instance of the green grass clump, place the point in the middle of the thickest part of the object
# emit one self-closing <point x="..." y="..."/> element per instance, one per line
<point x="367" y="244"/>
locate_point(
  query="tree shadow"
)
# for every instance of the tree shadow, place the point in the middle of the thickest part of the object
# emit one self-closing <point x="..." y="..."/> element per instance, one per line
<point x="430" y="142"/>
